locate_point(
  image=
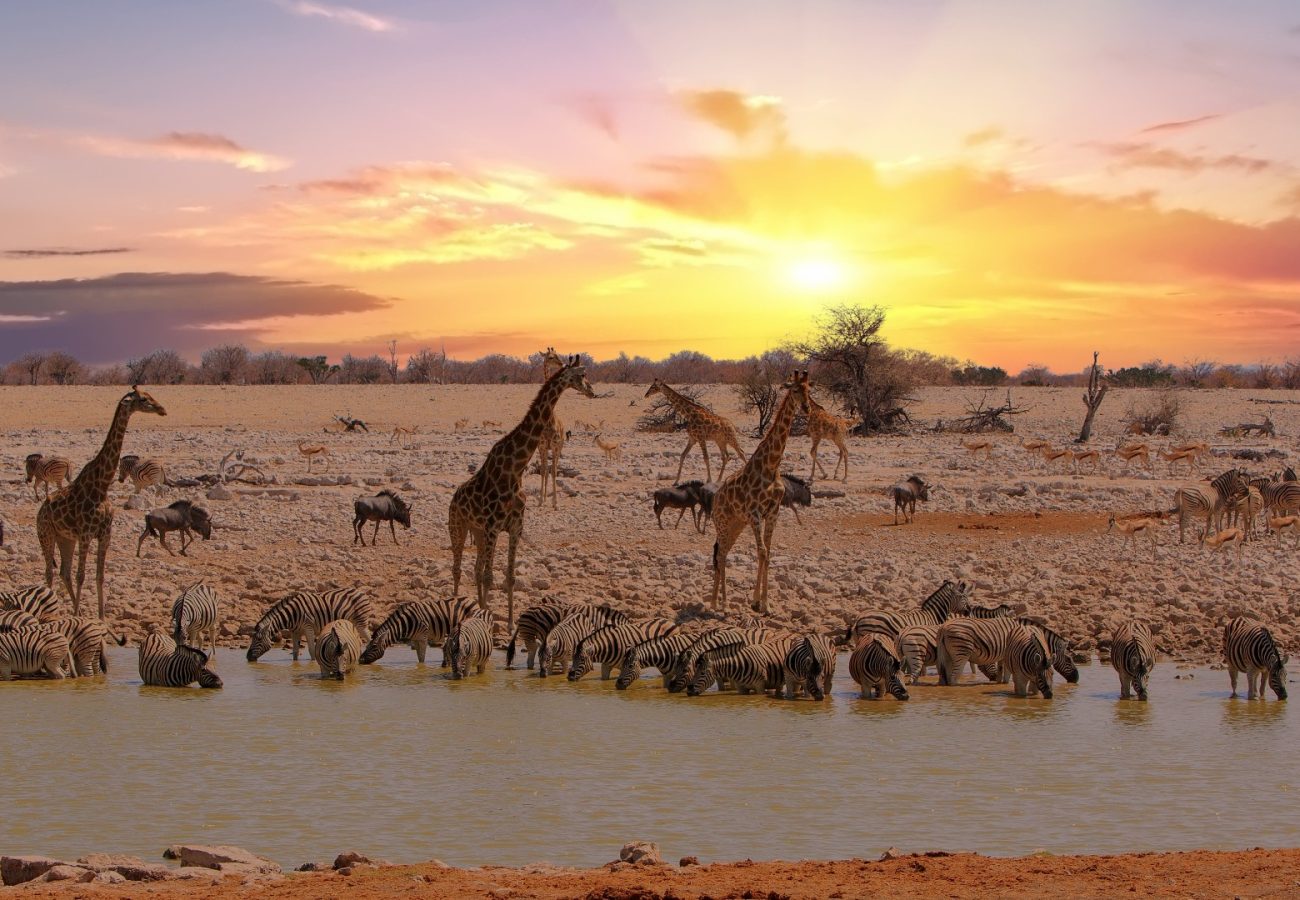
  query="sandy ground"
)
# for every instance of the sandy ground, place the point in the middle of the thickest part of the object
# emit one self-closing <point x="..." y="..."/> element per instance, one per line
<point x="1254" y="873"/>
<point x="1018" y="532"/>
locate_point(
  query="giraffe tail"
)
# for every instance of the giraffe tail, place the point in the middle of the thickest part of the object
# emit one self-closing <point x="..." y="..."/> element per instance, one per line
<point x="715" y="556"/>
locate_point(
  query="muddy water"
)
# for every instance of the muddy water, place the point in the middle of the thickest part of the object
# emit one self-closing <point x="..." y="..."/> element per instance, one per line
<point x="406" y="765"/>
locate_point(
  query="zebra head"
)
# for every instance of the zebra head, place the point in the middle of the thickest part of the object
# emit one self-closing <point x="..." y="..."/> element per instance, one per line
<point x="812" y="680"/>
<point x="1139" y="675"/>
<point x="205" y="676"/>
<point x="581" y="664"/>
<point x="629" y="672"/>
<point x="457" y="659"/>
<point x="680" y="675"/>
<point x="375" y="647"/>
<point x="702" y="679"/>
<point x="260" y="643"/>
<point x="1277" y="677"/>
<point x="895" y="683"/>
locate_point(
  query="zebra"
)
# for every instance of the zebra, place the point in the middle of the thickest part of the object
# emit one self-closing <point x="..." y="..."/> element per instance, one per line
<point x="917" y="646"/>
<point x="1002" y="610"/>
<point x="164" y="663"/>
<point x="194" y="614"/>
<point x="1029" y="661"/>
<point x="470" y="645"/>
<point x="304" y="613"/>
<point x="28" y="651"/>
<point x="875" y="665"/>
<point x="537" y="621"/>
<point x="1059" y="648"/>
<point x="810" y="664"/>
<point x="1248" y="647"/>
<point x="981" y="641"/>
<point x="17" y="619"/>
<point x="750" y="668"/>
<point x="950" y="598"/>
<point x="560" y="642"/>
<point x="1283" y="496"/>
<point x="1133" y="654"/>
<point x="337" y="647"/>
<point x="143" y="473"/>
<point x="1206" y="501"/>
<point x="609" y="644"/>
<point x="87" y="639"/>
<point x="38" y="601"/>
<point x="419" y="623"/>
<point x="45" y="470"/>
<point x="684" y="668"/>
<point x="1244" y="509"/>
<point x="905" y="494"/>
<point x="660" y="652"/>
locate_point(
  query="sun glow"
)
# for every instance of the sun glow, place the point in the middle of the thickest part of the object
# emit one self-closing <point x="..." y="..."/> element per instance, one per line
<point x="816" y="272"/>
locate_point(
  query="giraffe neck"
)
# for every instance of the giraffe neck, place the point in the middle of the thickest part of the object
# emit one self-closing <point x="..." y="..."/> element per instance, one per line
<point x="515" y="449"/>
<point x="98" y="474"/>
<point x="683" y="404"/>
<point x="766" y="461"/>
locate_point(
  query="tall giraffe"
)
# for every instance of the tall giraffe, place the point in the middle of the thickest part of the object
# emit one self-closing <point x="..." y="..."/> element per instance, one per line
<point x="753" y="496"/>
<point x="552" y="445"/>
<point x="80" y="513"/>
<point x="702" y="425"/>
<point x="824" y="425"/>
<point x="492" y="500"/>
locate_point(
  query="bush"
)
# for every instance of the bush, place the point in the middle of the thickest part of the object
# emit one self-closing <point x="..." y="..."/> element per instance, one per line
<point x="1156" y="415"/>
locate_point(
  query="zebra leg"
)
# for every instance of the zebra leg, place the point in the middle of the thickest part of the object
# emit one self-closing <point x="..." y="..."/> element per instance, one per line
<point x="1124" y="683"/>
<point x="1232" y="676"/>
<point x="605" y="670"/>
<point x="1250" y="684"/>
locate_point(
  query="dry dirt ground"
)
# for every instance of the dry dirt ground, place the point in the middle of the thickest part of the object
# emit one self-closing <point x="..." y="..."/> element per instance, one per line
<point x="1252" y="873"/>
<point x="1019" y="532"/>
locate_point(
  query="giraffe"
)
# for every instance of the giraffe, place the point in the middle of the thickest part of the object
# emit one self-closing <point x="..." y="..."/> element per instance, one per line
<point x="825" y="426"/>
<point x="81" y="512"/>
<point x="492" y="500"/>
<point x="552" y="444"/>
<point x="752" y="497"/>
<point x="702" y="425"/>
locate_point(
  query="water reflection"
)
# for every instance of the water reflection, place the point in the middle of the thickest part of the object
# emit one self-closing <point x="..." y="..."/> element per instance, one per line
<point x="1133" y="713"/>
<point x="1250" y="715"/>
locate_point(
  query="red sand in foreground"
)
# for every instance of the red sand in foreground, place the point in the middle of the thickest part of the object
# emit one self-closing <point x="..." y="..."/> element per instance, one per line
<point x="1202" y="873"/>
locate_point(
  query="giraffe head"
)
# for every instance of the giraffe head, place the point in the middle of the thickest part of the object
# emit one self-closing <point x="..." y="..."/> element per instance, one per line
<point x="656" y="387"/>
<point x="797" y="384"/>
<point x="574" y="375"/>
<point x="138" y="401"/>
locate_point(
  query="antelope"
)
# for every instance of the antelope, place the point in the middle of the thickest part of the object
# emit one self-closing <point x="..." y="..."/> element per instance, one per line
<point x="1134" y="451"/>
<point x="1051" y="454"/>
<point x="1033" y="445"/>
<point x="611" y="449"/>
<point x="1080" y="455"/>
<point x="1131" y="528"/>
<point x="312" y="451"/>
<point x="1234" y="536"/>
<point x="401" y="432"/>
<point x="1280" y="524"/>
<point x="488" y="423"/>
<point x="460" y="425"/>
<point x="1198" y="449"/>
<point x="974" y="447"/>
<point x="1176" y="456"/>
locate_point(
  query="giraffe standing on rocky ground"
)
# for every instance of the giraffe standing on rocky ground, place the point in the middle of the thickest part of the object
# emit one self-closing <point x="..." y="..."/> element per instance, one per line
<point x="552" y="445"/>
<point x="823" y="425"/>
<point x="702" y="425"/>
<point x="492" y="500"/>
<point x="752" y="497"/>
<point x="81" y="512"/>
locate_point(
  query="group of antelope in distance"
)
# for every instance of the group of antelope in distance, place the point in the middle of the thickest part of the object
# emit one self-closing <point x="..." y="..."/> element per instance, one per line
<point x="1190" y="454"/>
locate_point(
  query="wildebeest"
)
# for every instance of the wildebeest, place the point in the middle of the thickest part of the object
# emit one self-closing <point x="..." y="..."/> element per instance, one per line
<point x="798" y="492"/>
<point x="905" y="494"/>
<point x="385" y="506"/>
<point x="182" y="516"/>
<point x="682" y="496"/>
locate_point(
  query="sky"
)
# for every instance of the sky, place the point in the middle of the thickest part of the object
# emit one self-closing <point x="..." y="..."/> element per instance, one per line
<point x="1017" y="182"/>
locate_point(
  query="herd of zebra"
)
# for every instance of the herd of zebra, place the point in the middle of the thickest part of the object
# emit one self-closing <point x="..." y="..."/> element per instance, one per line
<point x="946" y="631"/>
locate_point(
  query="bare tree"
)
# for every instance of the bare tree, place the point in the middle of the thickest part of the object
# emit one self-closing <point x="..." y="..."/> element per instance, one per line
<point x="392" y="360"/>
<point x="424" y="366"/>
<point x="32" y="364"/>
<point x="854" y="363"/>
<point x="64" y="368"/>
<point x="1092" y="398"/>
<point x="317" y="368"/>
<point x="158" y="367"/>
<point x="1196" y="372"/>
<point x="362" y="370"/>
<point x="226" y="364"/>
<point x="274" y="367"/>
<point x="759" y="390"/>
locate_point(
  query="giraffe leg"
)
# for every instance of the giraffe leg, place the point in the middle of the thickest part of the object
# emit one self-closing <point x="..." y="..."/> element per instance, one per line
<point x="458" y="533"/>
<point x="483" y="566"/>
<point x="769" y="527"/>
<point x="67" y="546"/>
<point x="555" y="471"/>
<point x="760" y="573"/>
<point x="844" y="457"/>
<point x="101" y="555"/>
<point x="45" y="537"/>
<point x="541" y="470"/>
<point x="708" y="469"/>
<point x="727" y="534"/>
<point x="511" y="547"/>
<point x="812" y="473"/>
<point x="722" y="448"/>
<point x="83" y="548"/>
<point x="681" y="462"/>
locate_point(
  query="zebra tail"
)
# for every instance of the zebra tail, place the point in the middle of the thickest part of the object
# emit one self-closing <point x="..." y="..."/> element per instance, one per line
<point x="119" y="639"/>
<point x="510" y="649"/>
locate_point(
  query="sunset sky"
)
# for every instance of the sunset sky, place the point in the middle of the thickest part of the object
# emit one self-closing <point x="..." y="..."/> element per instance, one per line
<point x="1017" y="182"/>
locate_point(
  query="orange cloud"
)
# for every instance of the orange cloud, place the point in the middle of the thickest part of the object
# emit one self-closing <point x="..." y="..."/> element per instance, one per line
<point x="1138" y="155"/>
<point x="740" y="115"/>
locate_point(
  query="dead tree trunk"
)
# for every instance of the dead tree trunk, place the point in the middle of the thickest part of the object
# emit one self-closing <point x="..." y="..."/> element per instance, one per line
<point x="1096" y="393"/>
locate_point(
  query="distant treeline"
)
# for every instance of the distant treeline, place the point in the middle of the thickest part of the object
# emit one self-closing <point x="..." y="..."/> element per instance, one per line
<point x="235" y="364"/>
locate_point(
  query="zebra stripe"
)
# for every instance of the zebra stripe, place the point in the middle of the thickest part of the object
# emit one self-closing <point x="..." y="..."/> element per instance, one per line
<point x="1248" y="647"/>
<point x="660" y="652"/>
<point x="752" y="668"/>
<point x="47" y="470"/>
<point x="87" y="640"/>
<point x="1002" y="610"/>
<point x="1282" y="496"/>
<point x="951" y="598"/>
<point x="1133" y="655"/>
<point x="304" y="614"/>
<point x="419" y="623"/>
<point x="28" y="651"/>
<point x="536" y="622"/>
<point x="337" y="649"/>
<point x="918" y="647"/>
<point x="979" y="641"/>
<point x="1059" y="648"/>
<point x="684" y="669"/>
<point x="1205" y="501"/>
<point x="165" y="664"/>
<point x="810" y="665"/>
<point x="195" y="613"/>
<point x="875" y="665"/>
<point x="142" y="472"/>
<point x="1029" y="661"/>
<point x="609" y="644"/>
<point x="560" y="642"/>
<point x="15" y="619"/>
<point x="38" y="601"/>
<point x="470" y="645"/>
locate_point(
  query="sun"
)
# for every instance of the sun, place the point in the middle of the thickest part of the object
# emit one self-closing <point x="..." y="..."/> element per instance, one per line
<point x="815" y="271"/>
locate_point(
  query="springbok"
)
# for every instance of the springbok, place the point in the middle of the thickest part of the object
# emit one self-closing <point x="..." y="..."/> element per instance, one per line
<point x="1226" y="537"/>
<point x="1176" y="456"/>
<point x="974" y="447"/>
<point x="1279" y="524"/>
<point x="611" y="449"/>
<point x="1131" y="528"/>
<point x="314" y="451"/>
